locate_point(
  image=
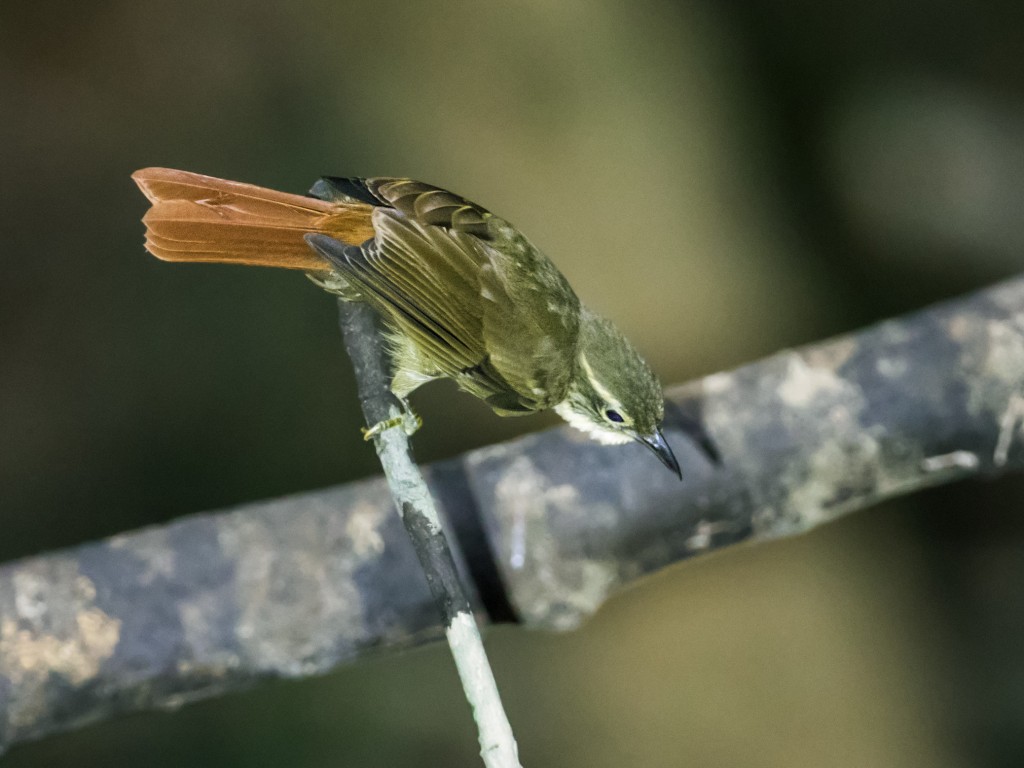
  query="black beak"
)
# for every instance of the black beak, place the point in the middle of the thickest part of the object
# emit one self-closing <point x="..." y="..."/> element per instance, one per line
<point x="656" y="443"/>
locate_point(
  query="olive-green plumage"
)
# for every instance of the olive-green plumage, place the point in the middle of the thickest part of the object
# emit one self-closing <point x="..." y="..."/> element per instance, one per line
<point x="464" y="295"/>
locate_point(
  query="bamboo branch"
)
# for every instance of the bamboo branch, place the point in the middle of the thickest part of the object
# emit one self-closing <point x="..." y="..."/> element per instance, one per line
<point x="546" y="527"/>
<point x="365" y="345"/>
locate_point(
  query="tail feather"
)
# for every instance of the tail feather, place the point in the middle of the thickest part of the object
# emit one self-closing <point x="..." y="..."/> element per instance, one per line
<point x="201" y="218"/>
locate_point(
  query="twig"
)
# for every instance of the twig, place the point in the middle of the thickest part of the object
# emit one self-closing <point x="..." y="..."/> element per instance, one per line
<point x="365" y="346"/>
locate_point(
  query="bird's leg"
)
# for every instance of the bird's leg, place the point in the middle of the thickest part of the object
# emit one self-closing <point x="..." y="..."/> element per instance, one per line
<point x="407" y="420"/>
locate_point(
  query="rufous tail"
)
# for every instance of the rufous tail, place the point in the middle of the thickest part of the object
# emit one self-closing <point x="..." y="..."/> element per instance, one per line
<point x="201" y="218"/>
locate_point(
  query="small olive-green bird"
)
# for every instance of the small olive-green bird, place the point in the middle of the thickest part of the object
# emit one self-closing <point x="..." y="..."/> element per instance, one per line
<point x="462" y="293"/>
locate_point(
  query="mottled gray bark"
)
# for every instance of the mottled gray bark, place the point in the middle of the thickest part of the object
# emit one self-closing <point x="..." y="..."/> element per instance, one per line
<point x="293" y="587"/>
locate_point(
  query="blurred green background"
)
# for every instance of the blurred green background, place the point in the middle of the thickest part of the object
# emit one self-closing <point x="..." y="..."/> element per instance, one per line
<point x="722" y="179"/>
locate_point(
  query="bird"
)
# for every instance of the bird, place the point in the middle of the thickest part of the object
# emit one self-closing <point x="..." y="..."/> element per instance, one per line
<point x="461" y="292"/>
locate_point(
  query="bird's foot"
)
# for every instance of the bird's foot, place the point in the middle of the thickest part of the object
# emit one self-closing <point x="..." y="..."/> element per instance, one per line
<point x="407" y="420"/>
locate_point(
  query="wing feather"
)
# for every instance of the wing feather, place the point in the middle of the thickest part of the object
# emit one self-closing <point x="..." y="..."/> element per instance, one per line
<point x="400" y="301"/>
<point x="487" y="307"/>
<point x="421" y="266"/>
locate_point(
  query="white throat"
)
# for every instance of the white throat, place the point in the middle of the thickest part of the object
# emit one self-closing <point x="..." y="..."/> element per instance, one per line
<point x="583" y="424"/>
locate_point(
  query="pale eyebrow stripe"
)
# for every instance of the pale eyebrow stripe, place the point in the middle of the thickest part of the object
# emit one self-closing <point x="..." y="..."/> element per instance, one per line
<point x="601" y="389"/>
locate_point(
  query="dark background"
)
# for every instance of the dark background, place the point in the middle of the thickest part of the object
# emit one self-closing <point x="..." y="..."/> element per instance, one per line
<point x="722" y="179"/>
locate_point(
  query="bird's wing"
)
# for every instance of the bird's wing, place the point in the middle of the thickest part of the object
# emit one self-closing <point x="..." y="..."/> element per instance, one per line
<point x="468" y="287"/>
<point x="415" y="200"/>
<point x="488" y="307"/>
<point x="424" y="281"/>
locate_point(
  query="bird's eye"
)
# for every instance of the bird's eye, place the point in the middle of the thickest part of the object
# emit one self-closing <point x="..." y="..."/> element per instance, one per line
<point x="614" y="416"/>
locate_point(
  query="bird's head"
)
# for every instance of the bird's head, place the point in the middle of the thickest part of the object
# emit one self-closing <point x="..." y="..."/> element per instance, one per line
<point x="613" y="395"/>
